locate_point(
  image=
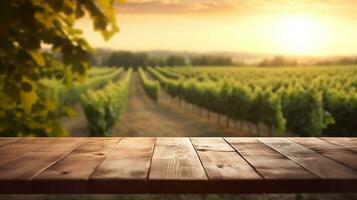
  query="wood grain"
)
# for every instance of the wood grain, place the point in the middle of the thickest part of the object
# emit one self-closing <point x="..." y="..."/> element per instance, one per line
<point x="211" y="144"/>
<point x="221" y="161"/>
<point x="175" y="159"/>
<point x="316" y="163"/>
<point x="269" y="163"/>
<point x="335" y="152"/>
<point x="8" y="140"/>
<point x="348" y="142"/>
<point x="81" y="162"/>
<point x="37" y="159"/>
<point x="12" y="150"/>
<point x="129" y="160"/>
<point x="176" y="165"/>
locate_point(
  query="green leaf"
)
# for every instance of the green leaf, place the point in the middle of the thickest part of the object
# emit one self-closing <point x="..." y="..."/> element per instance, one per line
<point x="70" y="112"/>
<point x="25" y="108"/>
<point x="37" y="57"/>
<point x="50" y="105"/>
<point x="28" y="99"/>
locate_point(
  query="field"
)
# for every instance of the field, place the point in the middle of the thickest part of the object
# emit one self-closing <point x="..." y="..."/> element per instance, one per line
<point x="216" y="101"/>
<point x="114" y="70"/>
<point x="196" y="101"/>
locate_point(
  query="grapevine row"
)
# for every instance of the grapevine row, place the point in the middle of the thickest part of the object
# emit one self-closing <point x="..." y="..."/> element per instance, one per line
<point x="66" y="96"/>
<point x="152" y="88"/>
<point x="305" y="101"/>
<point x="104" y="107"/>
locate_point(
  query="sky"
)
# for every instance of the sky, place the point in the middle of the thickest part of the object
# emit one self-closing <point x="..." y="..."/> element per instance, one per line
<point x="294" y="27"/>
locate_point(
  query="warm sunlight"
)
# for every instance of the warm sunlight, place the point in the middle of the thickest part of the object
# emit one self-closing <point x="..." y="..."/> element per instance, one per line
<point x="298" y="34"/>
<point x="313" y="28"/>
<point x="178" y="99"/>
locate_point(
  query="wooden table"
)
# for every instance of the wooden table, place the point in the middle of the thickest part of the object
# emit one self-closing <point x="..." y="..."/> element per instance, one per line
<point x="178" y="165"/>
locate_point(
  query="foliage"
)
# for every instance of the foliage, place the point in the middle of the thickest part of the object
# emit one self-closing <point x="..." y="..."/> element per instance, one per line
<point x="311" y="101"/>
<point x="143" y="59"/>
<point x="100" y="71"/>
<point x="303" y="109"/>
<point x="67" y="96"/>
<point x="209" y="60"/>
<point x="26" y="26"/>
<point x="104" y="107"/>
<point x="168" y="74"/>
<point x="176" y="61"/>
<point x="128" y="59"/>
<point x="152" y="88"/>
<point x="343" y="106"/>
<point x="278" y="61"/>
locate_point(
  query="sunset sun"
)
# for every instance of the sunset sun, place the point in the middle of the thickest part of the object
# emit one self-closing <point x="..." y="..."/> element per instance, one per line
<point x="298" y="34"/>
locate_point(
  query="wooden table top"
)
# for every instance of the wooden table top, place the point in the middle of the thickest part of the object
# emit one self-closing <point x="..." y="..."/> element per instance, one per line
<point x="177" y="165"/>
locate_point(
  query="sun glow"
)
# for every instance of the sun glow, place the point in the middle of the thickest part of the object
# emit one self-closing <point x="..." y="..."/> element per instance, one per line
<point x="298" y="34"/>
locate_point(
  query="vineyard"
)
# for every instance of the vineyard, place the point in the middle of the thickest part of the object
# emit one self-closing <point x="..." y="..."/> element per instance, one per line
<point x="303" y="101"/>
<point x="306" y="101"/>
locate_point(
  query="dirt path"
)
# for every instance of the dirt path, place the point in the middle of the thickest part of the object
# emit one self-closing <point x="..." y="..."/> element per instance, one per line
<point x="144" y="118"/>
<point x="77" y="125"/>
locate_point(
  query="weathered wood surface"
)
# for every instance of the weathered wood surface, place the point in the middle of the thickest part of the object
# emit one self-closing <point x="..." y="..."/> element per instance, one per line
<point x="177" y="165"/>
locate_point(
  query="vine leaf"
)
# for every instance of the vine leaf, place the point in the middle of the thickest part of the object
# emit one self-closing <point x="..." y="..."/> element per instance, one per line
<point x="28" y="99"/>
<point x="37" y="57"/>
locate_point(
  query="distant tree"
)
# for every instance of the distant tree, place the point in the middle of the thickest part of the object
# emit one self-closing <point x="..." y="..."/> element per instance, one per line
<point x="175" y="61"/>
<point x="93" y="61"/>
<point x="137" y="59"/>
<point x="346" y="61"/>
<point x="339" y="61"/>
<point x="27" y="25"/>
<point x="128" y="59"/>
<point x="140" y="60"/>
<point x="278" y="61"/>
<point x="210" y="60"/>
<point x="156" y="62"/>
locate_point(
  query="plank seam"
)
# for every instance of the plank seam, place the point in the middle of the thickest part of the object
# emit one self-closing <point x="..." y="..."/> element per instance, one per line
<point x="95" y="169"/>
<point x="54" y="162"/>
<point x="204" y="169"/>
<point x="244" y="158"/>
<point x="152" y="155"/>
<point x="337" y="144"/>
<point x="327" y="156"/>
<point x="313" y="173"/>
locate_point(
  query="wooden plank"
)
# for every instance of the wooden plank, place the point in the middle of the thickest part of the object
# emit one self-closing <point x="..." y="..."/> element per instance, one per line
<point x="25" y="144"/>
<point x="269" y="163"/>
<point x="63" y="165"/>
<point x="8" y="140"/>
<point x="80" y="163"/>
<point x="211" y="144"/>
<point x="175" y="159"/>
<point x="60" y="144"/>
<point x="14" y="150"/>
<point x="221" y="161"/>
<point x="335" y="152"/>
<point x="36" y="160"/>
<point x="318" y="164"/>
<point x="129" y="160"/>
<point x="347" y="142"/>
